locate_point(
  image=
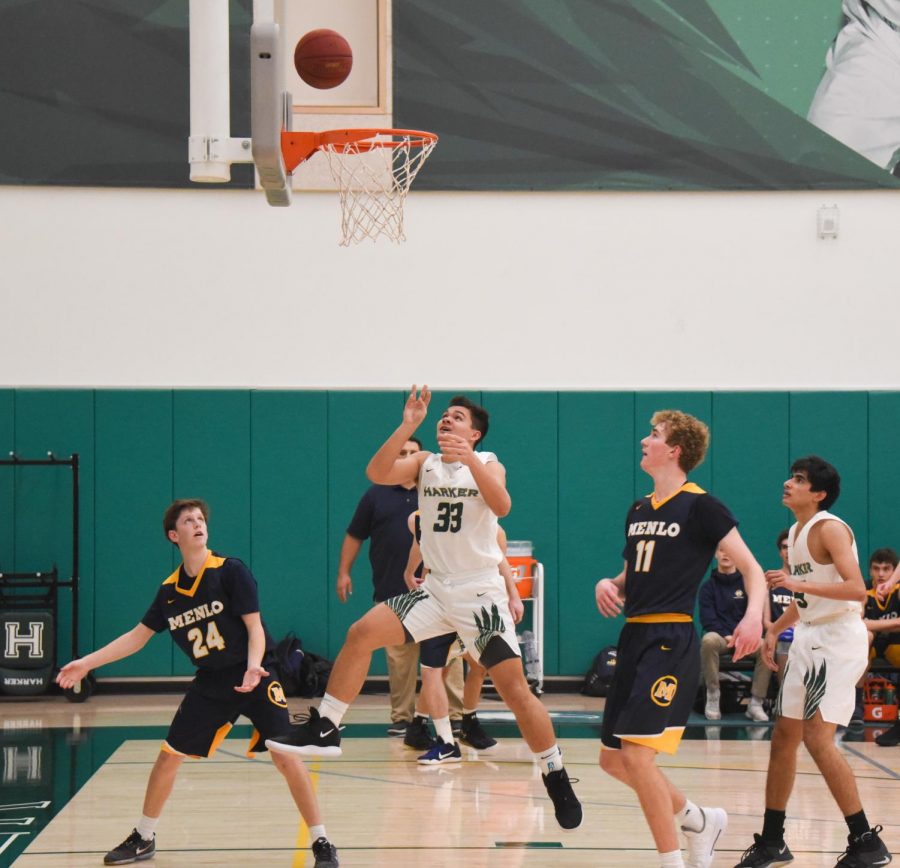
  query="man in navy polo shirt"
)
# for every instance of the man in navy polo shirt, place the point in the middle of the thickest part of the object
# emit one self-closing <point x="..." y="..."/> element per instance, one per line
<point x="381" y="517"/>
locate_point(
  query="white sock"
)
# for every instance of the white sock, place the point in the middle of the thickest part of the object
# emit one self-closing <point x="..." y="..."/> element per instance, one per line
<point x="690" y="817"/>
<point x="146" y="826"/>
<point x="551" y="760"/>
<point x="671" y="860"/>
<point x="443" y="728"/>
<point x="316" y="832"/>
<point x="333" y="709"/>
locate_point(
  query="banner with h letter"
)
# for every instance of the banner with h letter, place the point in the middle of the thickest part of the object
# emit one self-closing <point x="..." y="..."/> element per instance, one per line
<point x="28" y="641"/>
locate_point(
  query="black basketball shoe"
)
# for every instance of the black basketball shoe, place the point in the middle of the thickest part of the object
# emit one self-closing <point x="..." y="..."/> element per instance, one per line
<point x="765" y="854"/>
<point x="473" y="734"/>
<point x="890" y="737"/>
<point x="565" y="803"/>
<point x="312" y="736"/>
<point x="417" y="735"/>
<point x="133" y="849"/>
<point x="325" y="853"/>
<point x="864" y="851"/>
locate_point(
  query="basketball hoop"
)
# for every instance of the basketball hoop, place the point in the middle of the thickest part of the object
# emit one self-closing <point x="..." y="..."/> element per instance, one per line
<point x="373" y="170"/>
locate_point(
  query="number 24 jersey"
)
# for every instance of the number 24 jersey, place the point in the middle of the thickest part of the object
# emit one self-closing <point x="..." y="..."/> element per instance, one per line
<point x="203" y="612"/>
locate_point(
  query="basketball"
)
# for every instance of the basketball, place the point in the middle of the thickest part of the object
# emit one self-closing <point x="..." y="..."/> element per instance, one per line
<point x="323" y="59"/>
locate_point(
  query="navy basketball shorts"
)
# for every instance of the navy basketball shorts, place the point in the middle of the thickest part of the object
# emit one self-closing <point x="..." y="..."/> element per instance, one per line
<point x="654" y="686"/>
<point x="437" y="652"/>
<point x="212" y="705"/>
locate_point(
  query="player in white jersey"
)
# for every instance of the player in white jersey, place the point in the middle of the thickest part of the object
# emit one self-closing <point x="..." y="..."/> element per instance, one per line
<point x="828" y="655"/>
<point x="461" y="495"/>
<point x="858" y="98"/>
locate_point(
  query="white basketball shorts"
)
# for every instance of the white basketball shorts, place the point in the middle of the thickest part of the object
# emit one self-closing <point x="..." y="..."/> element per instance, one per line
<point x="823" y="666"/>
<point x="476" y="607"/>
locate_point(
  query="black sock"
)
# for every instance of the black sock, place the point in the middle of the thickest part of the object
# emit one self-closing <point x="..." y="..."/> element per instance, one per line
<point x="857" y="824"/>
<point x="773" y="826"/>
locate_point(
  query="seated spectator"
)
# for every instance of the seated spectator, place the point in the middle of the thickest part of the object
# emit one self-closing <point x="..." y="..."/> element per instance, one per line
<point x="723" y="603"/>
<point x="778" y="600"/>
<point x="880" y="610"/>
<point x="882" y="616"/>
<point x="882" y="619"/>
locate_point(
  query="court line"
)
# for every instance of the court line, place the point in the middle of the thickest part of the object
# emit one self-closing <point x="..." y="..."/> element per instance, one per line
<point x="870" y="761"/>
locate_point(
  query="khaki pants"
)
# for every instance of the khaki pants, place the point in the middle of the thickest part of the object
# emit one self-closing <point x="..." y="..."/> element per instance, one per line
<point x="403" y="671"/>
<point x="713" y="647"/>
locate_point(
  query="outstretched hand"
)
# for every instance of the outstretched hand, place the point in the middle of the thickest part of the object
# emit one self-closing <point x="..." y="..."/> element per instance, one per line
<point x="416" y="408"/>
<point x="252" y="677"/>
<point x="72" y="673"/>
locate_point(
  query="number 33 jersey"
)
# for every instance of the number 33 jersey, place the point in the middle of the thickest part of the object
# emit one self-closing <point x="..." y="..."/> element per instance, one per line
<point x="668" y="547"/>
<point x="203" y="612"/>
<point x="459" y="531"/>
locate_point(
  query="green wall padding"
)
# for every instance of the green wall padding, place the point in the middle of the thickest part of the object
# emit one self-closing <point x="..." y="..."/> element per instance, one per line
<point x="133" y="478"/>
<point x="283" y="471"/>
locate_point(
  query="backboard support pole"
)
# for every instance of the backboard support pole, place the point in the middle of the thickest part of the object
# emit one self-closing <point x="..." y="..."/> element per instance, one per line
<point x="211" y="149"/>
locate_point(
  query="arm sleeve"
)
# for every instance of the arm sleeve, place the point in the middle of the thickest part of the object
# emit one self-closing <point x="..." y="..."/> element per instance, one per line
<point x="715" y="518"/>
<point x="625" y="530"/>
<point x="241" y="587"/>
<point x="154" y="619"/>
<point x="360" y="526"/>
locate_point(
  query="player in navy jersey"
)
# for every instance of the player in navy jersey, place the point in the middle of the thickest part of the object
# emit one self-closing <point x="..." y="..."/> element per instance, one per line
<point x="670" y="538"/>
<point x="210" y="607"/>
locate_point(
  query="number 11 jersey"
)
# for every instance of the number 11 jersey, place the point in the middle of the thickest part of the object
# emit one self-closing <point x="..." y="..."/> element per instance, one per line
<point x="668" y="548"/>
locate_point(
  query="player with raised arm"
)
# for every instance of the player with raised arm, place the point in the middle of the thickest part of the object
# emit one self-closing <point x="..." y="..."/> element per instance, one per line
<point x="462" y="493"/>
<point x="670" y="538"/>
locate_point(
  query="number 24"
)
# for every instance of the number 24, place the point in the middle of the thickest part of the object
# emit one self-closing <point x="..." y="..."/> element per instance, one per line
<point x="213" y="640"/>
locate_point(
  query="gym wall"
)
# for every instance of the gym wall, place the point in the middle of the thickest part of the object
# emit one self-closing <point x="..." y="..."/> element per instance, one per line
<point x="283" y="470"/>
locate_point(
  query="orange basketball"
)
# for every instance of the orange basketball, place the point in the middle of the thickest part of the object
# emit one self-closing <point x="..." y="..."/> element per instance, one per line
<point x="323" y="59"/>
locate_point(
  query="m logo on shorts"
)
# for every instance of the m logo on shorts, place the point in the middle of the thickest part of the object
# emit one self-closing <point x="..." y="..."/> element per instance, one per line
<point x="663" y="690"/>
<point x="275" y="692"/>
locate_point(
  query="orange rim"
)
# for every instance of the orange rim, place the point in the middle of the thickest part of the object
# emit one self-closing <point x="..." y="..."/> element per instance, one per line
<point x="297" y="147"/>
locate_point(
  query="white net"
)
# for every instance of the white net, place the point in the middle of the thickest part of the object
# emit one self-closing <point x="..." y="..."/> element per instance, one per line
<point x="373" y="176"/>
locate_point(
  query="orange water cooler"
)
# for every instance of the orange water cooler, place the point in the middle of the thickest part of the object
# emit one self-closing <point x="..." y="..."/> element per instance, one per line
<point x="529" y="576"/>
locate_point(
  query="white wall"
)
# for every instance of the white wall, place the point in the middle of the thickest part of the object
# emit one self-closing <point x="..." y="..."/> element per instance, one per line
<point x="128" y="288"/>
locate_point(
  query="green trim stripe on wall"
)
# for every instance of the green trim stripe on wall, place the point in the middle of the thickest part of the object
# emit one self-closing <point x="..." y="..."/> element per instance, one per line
<point x="283" y="471"/>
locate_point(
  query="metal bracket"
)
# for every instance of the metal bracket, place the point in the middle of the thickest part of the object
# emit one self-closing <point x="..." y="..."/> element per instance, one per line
<point x="202" y="149"/>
